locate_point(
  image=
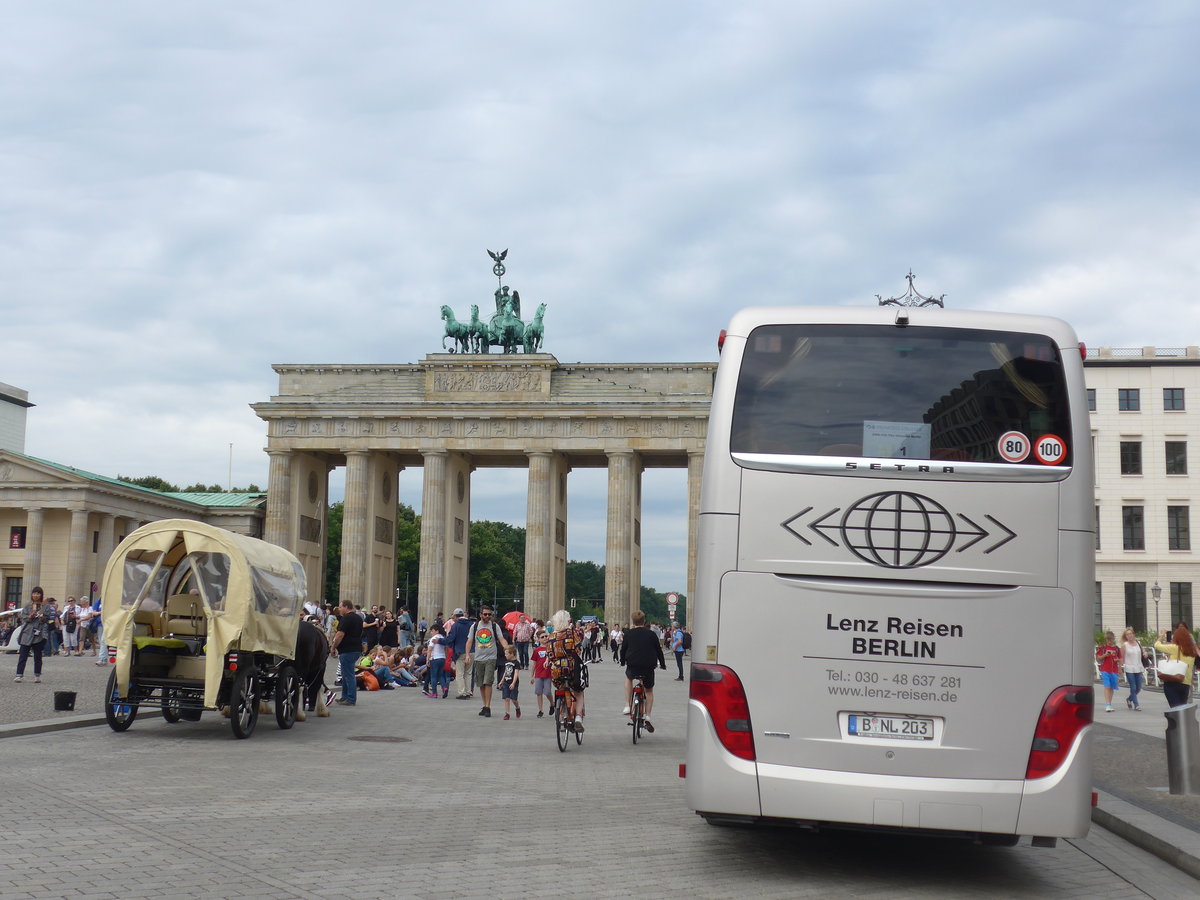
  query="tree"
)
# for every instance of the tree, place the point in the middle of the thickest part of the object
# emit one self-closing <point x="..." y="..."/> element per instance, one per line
<point x="333" y="552"/>
<point x="151" y="481"/>
<point x="585" y="580"/>
<point x="408" y="555"/>
<point x="497" y="567"/>
<point x="200" y="488"/>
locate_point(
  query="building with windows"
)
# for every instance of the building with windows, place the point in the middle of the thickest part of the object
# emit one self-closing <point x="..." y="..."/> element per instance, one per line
<point x="1145" y="410"/>
<point x="60" y="524"/>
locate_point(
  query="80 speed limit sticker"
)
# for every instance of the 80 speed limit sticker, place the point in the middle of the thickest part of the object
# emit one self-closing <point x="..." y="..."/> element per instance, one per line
<point x="1050" y="449"/>
<point x="1013" y="446"/>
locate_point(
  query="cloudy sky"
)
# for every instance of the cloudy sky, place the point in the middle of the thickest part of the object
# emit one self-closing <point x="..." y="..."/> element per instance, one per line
<point x="194" y="191"/>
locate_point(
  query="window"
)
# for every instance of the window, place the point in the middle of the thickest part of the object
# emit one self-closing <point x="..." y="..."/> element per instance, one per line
<point x="1133" y="527"/>
<point x="1131" y="457"/>
<point x="1172" y="398"/>
<point x="1176" y="457"/>
<point x="1181" y="602"/>
<point x="16" y="537"/>
<point x="1098" y="610"/>
<point x="1178" y="534"/>
<point x="1135" y="605"/>
<point x="840" y="390"/>
<point x="1129" y="399"/>
<point x="1096" y="526"/>
<point x="12" y="592"/>
<point x="1091" y="399"/>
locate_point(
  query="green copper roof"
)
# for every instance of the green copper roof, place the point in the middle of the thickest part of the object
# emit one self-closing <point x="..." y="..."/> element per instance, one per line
<point x="199" y="499"/>
<point x="234" y="499"/>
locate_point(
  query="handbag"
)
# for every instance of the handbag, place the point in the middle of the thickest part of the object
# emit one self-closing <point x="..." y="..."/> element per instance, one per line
<point x="1173" y="670"/>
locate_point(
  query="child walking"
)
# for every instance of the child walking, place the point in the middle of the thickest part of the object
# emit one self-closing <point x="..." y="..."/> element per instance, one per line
<point x="509" y="680"/>
<point x="543" y="685"/>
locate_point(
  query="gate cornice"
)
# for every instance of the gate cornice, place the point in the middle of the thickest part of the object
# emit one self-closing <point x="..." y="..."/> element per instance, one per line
<point x="497" y="405"/>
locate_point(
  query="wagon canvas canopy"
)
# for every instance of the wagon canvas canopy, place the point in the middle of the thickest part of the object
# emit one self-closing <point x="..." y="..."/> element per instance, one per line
<point x="249" y="593"/>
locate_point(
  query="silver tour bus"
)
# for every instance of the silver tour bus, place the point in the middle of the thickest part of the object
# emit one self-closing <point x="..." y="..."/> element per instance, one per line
<point x="895" y="575"/>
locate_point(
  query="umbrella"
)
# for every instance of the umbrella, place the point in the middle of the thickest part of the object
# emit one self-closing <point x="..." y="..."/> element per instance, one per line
<point x="511" y="619"/>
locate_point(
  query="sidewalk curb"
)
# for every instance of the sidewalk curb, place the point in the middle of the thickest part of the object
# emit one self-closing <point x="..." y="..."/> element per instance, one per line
<point x="41" y="727"/>
<point x="1171" y="843"/>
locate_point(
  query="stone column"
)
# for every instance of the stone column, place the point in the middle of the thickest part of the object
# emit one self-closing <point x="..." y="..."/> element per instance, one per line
<point x="31" y="574"/>
<point x="355" y="546"/>
<point x="695" y="469"/>
<point x="431" y="587"/>
<point x="618" y="557"/>
<point x="539" y="533"/>
<point x="77" y="550"/>
<point x="108" y="543"/>
<point x="277" y="529"/>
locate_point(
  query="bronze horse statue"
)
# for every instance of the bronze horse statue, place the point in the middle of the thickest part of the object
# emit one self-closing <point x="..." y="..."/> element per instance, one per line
<point x="534" y="331"/>
<point x="459" y="332"/>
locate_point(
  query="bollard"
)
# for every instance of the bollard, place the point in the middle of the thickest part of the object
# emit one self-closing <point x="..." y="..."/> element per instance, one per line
<point x="1183" y="750"/>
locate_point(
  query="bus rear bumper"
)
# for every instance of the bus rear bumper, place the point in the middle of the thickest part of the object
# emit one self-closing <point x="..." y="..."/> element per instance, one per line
<point x="723" y="788"/>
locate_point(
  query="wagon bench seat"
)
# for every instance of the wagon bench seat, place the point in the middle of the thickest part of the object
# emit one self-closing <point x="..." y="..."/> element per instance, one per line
<point x="143" y="641"/>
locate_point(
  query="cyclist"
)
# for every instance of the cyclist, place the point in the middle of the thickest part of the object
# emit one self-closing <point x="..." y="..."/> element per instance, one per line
<point x="566" y="665"/>
<point x="640" y="649"/>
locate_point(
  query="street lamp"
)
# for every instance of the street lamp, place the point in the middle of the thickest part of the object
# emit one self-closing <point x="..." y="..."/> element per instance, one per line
<point x="1156" y="593"/>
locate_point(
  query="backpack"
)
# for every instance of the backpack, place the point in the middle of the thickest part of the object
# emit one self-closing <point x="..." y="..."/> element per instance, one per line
<point x="70" y="622"/>
<point x="687" y="640"/>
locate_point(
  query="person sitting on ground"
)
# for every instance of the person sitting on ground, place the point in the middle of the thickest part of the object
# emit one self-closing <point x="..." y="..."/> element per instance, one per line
<point x="418" y="664"/>
<point x="374" y="663"/>
<point x="402" y="667"/>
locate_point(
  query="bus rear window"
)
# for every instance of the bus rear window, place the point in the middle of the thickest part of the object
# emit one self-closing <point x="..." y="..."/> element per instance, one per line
<point x="946" y="394"/>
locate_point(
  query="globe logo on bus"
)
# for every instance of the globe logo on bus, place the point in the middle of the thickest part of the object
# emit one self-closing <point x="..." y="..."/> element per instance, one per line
<point x="898" y="530"/>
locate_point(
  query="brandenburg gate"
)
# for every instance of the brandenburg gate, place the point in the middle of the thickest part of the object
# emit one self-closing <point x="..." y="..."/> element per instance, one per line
<point x="451" y="414"/>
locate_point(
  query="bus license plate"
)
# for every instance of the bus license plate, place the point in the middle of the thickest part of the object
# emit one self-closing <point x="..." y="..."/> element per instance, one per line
<point x="899" y="728"/>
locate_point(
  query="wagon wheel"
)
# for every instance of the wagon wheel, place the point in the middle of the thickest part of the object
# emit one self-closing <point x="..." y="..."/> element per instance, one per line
<point x="288" y="689"/>
<point x="119" y="715"/>
<point x="243" y="702"/>
<point x="170" y="709"/>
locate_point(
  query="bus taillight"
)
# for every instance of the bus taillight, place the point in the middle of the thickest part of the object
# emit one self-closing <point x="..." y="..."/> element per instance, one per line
<point x="721" y="340"/>
<point x="1066" y="711"/>
<point x="720" y="691"/>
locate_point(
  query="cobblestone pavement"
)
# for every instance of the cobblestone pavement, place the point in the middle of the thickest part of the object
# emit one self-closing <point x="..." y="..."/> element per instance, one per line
<point x="28" y="702"/>
<point x="459" y="806"/>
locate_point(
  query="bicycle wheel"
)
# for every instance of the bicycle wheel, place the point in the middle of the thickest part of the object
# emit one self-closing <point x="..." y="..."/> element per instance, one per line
<point x="561" y="733"/>
<point x="636" y="710"/>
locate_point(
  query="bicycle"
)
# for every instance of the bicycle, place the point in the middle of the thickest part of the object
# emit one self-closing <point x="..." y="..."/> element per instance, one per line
<point x="637" y="717"/>
<point x="563" y="710"/>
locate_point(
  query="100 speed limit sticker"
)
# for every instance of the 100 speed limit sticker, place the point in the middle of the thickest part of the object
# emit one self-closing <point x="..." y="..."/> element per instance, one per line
<point x="1015" y="447"/>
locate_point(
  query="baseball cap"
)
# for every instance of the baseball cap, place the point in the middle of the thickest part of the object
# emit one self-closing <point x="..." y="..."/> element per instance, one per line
<point x="458" y="612"/>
